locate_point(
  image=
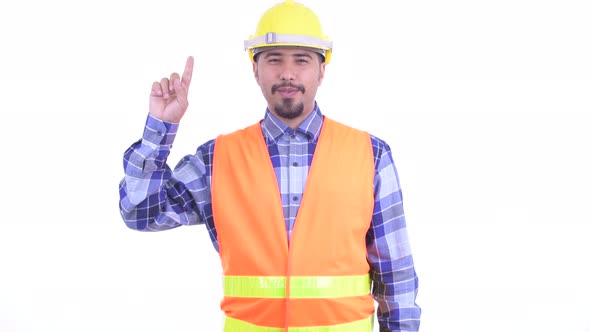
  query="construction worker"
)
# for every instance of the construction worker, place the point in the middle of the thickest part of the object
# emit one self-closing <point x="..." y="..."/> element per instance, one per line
<point x="313" y="260"/>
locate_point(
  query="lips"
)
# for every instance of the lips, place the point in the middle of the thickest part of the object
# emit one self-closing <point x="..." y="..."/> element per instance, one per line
<point x="287" y="89"/>
<point x="287" y="92"/>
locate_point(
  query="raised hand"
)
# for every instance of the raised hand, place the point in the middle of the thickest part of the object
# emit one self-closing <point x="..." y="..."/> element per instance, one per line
<point x="169" y="96"/>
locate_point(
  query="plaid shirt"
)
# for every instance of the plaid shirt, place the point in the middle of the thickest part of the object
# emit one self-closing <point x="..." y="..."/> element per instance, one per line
<point x="154" y="197"/>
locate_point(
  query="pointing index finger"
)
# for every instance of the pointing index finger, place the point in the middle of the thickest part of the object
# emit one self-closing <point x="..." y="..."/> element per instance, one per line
<point x="187" y="75"/>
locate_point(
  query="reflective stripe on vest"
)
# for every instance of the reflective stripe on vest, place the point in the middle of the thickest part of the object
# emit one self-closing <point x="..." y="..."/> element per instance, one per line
<point x="232" y="324"/>
<point x="301" y="287"/>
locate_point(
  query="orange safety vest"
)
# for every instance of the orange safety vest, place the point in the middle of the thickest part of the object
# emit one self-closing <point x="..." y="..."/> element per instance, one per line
<point x="318" y="283"/>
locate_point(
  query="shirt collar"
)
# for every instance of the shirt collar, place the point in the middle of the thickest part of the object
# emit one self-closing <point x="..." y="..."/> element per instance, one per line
<point x="273" y="128"/>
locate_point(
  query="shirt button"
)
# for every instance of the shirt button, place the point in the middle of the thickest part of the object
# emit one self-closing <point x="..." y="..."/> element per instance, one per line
<point x="295" y="164"/>
<point x="159" y="133"/>
<point x="295" y="198"/>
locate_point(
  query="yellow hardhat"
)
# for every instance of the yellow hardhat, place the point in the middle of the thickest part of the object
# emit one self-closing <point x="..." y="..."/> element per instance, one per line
<point x="289" y="24"/>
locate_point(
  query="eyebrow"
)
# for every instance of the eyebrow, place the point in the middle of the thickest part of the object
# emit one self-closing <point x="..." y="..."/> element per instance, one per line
<point x="298" y="55"/>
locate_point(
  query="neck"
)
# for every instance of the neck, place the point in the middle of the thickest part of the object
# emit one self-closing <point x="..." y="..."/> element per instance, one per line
<point x="294" y="122"/>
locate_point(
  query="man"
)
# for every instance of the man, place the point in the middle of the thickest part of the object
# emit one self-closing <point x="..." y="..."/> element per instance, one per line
<point x="292" y="259"/>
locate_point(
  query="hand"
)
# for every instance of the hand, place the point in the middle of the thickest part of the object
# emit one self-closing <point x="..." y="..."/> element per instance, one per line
<point x="169" y="96"/>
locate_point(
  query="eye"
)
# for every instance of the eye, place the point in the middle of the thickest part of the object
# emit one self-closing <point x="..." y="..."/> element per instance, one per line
<point x="273" y="60"/>
<point x="302" y="60"/>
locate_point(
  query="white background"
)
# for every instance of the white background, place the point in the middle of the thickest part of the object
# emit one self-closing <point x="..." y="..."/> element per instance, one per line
<point x="485" y="105"/>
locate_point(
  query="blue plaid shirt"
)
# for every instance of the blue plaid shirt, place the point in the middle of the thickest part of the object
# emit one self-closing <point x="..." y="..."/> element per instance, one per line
<point x="154" y="197"/>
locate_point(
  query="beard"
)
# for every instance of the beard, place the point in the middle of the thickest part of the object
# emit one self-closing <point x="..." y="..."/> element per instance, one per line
<point x="289" y="110"/>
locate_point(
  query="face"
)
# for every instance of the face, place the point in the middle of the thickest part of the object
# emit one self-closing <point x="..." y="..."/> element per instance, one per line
<point x="289" y="79"/>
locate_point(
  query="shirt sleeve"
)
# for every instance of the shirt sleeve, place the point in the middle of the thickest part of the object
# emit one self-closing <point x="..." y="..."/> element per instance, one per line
<point x="395" y="283"/>
<point x="152" y="196"/>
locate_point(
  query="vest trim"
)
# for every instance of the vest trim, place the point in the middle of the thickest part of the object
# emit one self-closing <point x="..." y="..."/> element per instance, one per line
<point x="236" y="325"/>
<point x="300" y="286"/>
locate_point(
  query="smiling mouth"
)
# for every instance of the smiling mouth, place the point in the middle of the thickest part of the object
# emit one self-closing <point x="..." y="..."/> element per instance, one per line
<point x="287" y="89"/>
<point x="287" y="92"/>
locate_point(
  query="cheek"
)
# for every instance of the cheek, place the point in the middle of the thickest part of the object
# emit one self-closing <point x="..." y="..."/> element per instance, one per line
<point x="262" y="77"/>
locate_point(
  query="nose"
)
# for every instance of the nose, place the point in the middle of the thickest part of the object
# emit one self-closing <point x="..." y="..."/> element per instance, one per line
<point x="287" y="73"/>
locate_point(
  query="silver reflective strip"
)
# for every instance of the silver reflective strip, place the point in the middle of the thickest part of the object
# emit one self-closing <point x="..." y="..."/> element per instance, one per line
<point x="273" y="38"/>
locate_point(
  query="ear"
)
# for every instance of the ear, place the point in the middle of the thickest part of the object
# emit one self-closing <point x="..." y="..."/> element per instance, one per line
<point x="322" y="71"/>
<point x="255" y="70"/>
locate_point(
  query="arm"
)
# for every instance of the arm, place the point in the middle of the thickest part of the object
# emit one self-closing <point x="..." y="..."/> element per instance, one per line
<point x="395" y="283"/>
<point x="152" y="196"/>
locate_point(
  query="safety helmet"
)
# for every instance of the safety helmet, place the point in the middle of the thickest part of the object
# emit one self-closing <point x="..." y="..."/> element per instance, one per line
<point x="289" y="24"/>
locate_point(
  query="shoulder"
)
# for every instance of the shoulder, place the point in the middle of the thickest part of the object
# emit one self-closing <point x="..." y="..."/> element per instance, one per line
<point x="380" y="147"/>
<point x="207" y="147"/>
<point x="345" y="128"/>
<point x="239" y="134"/>
<point x="205" y="151"/>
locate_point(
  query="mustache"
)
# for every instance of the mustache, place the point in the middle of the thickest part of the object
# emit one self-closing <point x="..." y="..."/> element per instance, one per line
<point x="275" y="87"/>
